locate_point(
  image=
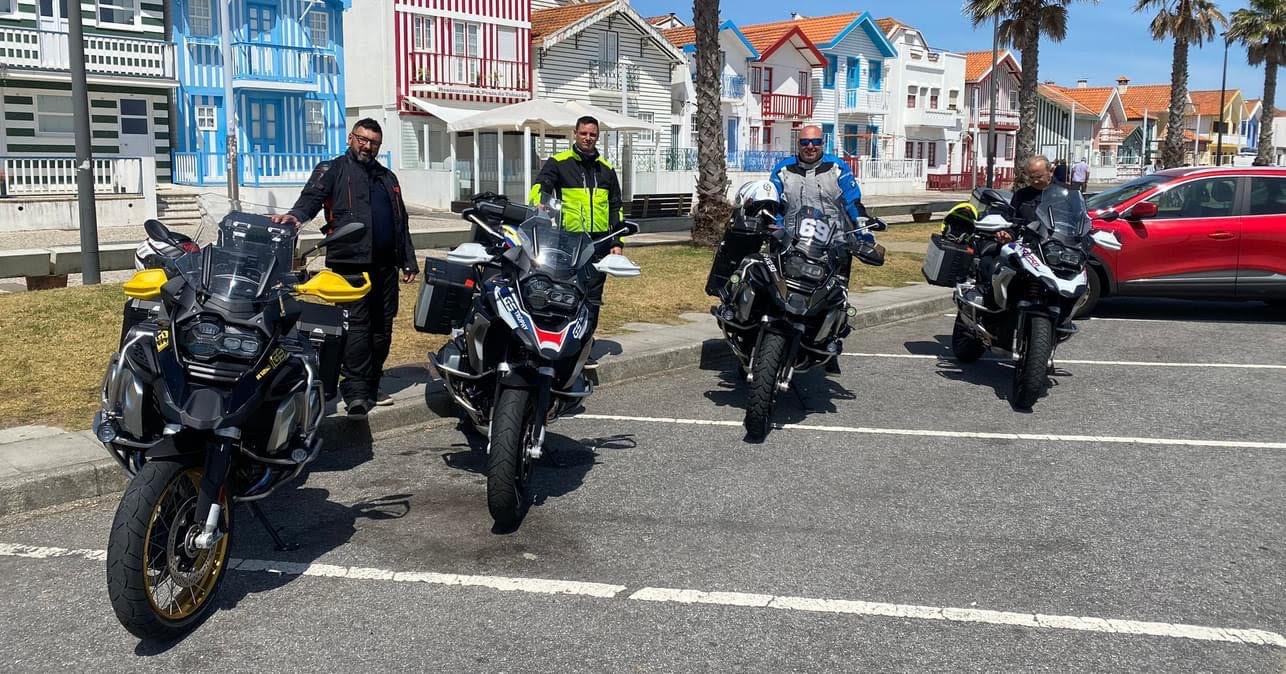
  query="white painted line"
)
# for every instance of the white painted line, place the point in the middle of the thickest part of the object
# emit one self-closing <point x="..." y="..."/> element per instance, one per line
<point x="1066" y="361"/>
<point x="682" y="596"/>
<point x="976" y="435"/>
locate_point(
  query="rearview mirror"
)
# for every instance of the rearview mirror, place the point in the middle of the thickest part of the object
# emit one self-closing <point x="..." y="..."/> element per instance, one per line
<point x="156" y="230"/>
<point x="631" y="228"/>
<point x="989" y="196"/>
<point x="617" y="265"/>
<point x="1106" y="215"/>
<point x="345" y="232"/>
<point x="1141" y="210"/>
<point x="470" y="254"/>
<point x="877" y="225"/>
<point x="1107" y="240"/>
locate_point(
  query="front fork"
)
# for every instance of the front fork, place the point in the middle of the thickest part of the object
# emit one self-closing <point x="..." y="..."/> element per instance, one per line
<point x="214" y="482"/>
<point x="786" y="370"/>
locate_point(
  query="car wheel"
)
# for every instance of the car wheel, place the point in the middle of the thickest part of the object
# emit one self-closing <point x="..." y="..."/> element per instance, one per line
<point x="1094" y="294"/>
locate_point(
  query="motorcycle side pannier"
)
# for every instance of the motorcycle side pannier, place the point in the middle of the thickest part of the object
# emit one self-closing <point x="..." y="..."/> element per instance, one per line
<point x="445" y="296"/>
<point x="946" y="263"/>
<point x="324" y="326"/>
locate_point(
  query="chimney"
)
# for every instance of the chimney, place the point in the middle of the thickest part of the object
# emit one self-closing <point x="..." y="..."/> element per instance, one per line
<point x="1082" y="83"/>
<point x="1122" y="84"/>
<point x="796" y="16"/>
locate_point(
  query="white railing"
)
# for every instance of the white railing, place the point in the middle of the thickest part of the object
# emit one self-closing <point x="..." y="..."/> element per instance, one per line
<point x="47" y="50"/>
<point x="862" y="100"/>
<point x="982" y="116"/>
<point x="934" y="117"/>
<point x="57" y="175"/>
<point x="888" y="169"/>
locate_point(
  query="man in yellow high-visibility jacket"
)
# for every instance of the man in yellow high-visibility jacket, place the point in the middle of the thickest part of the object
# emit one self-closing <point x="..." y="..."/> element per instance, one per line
<point x="585" y="183"/>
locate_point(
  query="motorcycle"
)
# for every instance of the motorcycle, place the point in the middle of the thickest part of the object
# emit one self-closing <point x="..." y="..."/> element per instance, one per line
<point x="213" y="399"/>
<point x="518" y="310"/>
<point x="786" y="309"/>
<point x="1020" y="293"/>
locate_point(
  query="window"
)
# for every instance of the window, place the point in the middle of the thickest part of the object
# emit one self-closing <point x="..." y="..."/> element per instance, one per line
<point x="805" y="83"/>
<point x="120" y="12"/>
<point x="828" y="137"/>
<point x="919" y="150"/>
<point x="832" y="67"/>
<point x="850" y="139"/>
<point x="676" y="130"/>
<point x="767" y="140"/>
<point x="851" y="75"/>
<point x="207" y="118"/>
<point x="465" y="46"/>
<point x="874" y="132"/>
<point x="756" y="80"/>
<point x="1013" y="100"/>
<point x="755" y="134"/>
<point x="910" y="150"/>
<point x="953" y="97"/>
<point x="507" y="43"/>
<point x="200" y="21"/>
<point x="315" y="123"/>
<point x="875" y="75"/>
<point x="768" y="80"/>
<point x="1010" y="144"/>
<point x="610" y="51"/>
<point x="422" y="33"/>
<point x="53" y="114"/>
<point x="933" y="154"/>
<point x="1267" y="196"/>
<point x="134" y="116"/>
<point x="1211" y="198"/>
<point x="645" y="136"/>
<point x="933" y="99"/>
<point x="319" y="28"/>
<point x="910" y="97"/>
<point x="8" y="7"/>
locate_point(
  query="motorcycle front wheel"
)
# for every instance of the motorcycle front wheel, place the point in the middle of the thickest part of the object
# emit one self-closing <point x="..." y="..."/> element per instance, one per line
<point x="159" y="583"/>
<point x="507" y="463"/>
<point x="1031" y="373"/>
<point x="763" y="385"/>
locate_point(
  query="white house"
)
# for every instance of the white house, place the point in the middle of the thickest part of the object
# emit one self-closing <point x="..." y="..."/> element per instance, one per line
<point x="978" y="76"/>
<point x="931" y="120"/>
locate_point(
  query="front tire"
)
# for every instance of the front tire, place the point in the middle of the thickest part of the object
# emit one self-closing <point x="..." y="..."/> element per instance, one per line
<point x="763" y="386"/>
<point x="507" y="461"/>
<point x="160" y="586"/>
<point x="965" y="346"/>
<point x="1031" y="375"/>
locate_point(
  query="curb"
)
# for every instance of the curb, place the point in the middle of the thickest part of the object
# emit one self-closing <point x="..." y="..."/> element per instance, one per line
<point x="90" y="479"/>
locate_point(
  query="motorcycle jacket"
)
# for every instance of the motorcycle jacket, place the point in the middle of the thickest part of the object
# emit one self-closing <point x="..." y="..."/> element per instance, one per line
<point x="827" y="184"/>
<point x="588" y="188"/>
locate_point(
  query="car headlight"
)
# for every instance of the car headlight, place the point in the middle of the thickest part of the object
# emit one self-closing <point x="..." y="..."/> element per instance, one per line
<point x="208" y="337"/>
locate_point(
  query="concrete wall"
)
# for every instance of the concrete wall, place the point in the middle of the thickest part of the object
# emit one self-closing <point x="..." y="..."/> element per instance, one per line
<point x="62" y="211"/>
<point x="671" y="182"/>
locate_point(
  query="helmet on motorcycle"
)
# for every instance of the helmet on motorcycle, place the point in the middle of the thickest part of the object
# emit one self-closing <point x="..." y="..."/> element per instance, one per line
<point x="151" y="247"/>
<point x="758" y="196"/>
<point x="960" y="220"/>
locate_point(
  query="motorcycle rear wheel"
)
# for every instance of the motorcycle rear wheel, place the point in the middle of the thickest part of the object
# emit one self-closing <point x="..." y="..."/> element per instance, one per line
<point x="763" y="386"/>
<point x="507" y="463"/>
<point x="159" y="584"/>
<point x="1031" y="374"/>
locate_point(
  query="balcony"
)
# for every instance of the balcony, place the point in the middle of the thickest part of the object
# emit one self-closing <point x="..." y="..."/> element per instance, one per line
<point x="277" y="64"/>
<point x="24" y="48"/>
<point x="1110" y="136"/>
<point x="981" y="117"/>
<point x="786" y="106"/>
<point x="732" y="88"/>
<point x="467" y="74"/>
<point x="862" y="101"/>
<point x="936" y="117"/>
<point x="606" y="76"/>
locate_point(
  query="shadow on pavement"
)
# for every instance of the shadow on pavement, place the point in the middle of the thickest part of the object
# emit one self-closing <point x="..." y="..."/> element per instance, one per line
<point x="1248" y="313"/>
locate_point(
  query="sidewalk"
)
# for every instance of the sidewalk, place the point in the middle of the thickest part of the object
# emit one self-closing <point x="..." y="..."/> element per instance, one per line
<point x="42" y="466"/>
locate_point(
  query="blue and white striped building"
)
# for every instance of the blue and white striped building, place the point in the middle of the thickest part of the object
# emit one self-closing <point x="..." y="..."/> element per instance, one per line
<point x="288" y="82"/>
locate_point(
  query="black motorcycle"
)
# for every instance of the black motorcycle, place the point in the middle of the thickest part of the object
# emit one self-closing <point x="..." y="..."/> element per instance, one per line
<point x="518" y="306"/>
<point x="785" y="310"/>
<point x="214" y="398"/>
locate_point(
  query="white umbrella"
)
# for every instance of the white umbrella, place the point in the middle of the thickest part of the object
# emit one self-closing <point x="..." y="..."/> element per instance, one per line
<point x="539" y="114"/>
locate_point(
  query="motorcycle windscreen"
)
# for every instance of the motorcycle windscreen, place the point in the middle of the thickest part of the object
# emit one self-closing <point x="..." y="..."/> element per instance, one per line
<point x="1062" y="215"/>
<point x="239" y="273"/>
<point x="554" y="250"/>
<point x="813" y="233"/>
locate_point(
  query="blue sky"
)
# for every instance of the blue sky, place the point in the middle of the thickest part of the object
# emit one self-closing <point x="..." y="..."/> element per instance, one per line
<point x="1103" y="41"/>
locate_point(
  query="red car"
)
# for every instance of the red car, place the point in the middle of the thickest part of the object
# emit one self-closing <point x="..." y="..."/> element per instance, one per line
<point x="1197" y="232"/>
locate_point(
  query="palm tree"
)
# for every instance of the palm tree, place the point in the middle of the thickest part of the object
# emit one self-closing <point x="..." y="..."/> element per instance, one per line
<point x="713" y="209"/>
<point x="1022" y="24"/>
<point x="1186" y="22"/>
<point x="1262" y="28"/>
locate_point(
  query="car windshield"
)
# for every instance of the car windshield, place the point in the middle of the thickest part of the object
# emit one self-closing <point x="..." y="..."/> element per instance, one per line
<point x="1122" y="193"/>
<point x="551" y="247"/>
<point x="1062" y="214"/>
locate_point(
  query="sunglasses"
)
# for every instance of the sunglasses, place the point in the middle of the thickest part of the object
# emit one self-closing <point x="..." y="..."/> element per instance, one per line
<point x="815" y="142"/>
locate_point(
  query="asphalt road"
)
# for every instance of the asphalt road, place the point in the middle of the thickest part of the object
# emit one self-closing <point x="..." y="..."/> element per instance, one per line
<point x="1147" y="486"/>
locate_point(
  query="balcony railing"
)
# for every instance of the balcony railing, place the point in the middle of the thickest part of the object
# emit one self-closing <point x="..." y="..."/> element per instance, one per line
<point x="47" y="50"/>
<point x="1004" y="116"/>
<point x="786" y="106"/>
<point x="732" y="88"/>
<point x="468" y="72"/>
<point x="607" y="76"/>
<point x="257" y="168"/>
<point x="277" y="63"/>
<point x="57" y="175"/>
<point x="864" y="101"/>
<point x="751" y="161"/>
<point x="1110" y="136"/>
<point x="866" y="168"/>
<point x="939" y="117"/>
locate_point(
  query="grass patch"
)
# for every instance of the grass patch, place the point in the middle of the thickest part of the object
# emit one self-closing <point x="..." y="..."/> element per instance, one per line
<point x="912" y="232"/>
<point x="57" y="342"/>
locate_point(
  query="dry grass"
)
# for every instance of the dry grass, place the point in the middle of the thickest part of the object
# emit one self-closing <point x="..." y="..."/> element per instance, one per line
<point x="57" y="342"/>
<point x="911" y="232"/>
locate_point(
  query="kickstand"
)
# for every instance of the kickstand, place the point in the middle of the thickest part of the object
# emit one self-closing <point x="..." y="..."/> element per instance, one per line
<point x="276" y="538"/>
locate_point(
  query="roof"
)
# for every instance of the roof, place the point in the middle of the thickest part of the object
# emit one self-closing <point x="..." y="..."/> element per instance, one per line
<point x="795" y="38"/>
<point x="889" y="24"/>
<point x="819" y="30"/>
<point x="655" y="20"/>
<point x="1054" y="93"/>
<point x="978" y="63"/>
<point x="1151" y="99"/>
<point x="1250" y="107"/>
<point x="545" y="22"/>
<point x="1090" y="98"/>
<point x="680" y="37"/>
<point x="1206" y="103"/>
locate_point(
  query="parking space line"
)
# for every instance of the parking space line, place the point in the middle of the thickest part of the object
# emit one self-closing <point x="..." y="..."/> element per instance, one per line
<point x="974" y="435"/>
<point x="739" y="599"/>
<point x="1068" y="361"/>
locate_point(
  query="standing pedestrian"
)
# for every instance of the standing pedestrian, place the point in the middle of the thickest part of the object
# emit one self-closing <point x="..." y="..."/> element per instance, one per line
<point x="1060" y="171"/>
<point x="355" y="187"/>
<point x="1080" y="175"/>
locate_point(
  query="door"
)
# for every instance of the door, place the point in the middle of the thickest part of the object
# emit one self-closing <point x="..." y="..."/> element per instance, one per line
<point x="1189" y="248"/>
<point x="1261" y="258"/>
<point x="52" y="22"/>
<point x="261" y="60"/>
<point x="732" y="136"/>
<point x="264" y="139"/>
<point x="135" y="137"/>
<point x="466" y="41"/>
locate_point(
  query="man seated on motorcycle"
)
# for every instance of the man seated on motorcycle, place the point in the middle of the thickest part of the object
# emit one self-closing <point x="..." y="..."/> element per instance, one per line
<point x="1024" y="203"/>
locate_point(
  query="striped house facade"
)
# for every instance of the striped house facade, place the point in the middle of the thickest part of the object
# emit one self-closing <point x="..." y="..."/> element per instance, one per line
<point x="129" y="70"/>
<point x="476" y="51"/>
<point x="288" y="83"/>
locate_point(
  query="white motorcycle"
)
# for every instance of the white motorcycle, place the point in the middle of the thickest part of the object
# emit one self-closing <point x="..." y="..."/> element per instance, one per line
<point x="1020" y="294"/>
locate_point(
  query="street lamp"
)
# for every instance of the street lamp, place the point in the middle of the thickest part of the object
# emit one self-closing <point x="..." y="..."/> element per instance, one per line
<point x="1223" y="84"/>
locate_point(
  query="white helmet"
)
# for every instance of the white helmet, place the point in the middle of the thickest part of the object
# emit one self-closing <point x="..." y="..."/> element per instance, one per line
<point x="757" y="195"/>
<point x="150" y="247"/>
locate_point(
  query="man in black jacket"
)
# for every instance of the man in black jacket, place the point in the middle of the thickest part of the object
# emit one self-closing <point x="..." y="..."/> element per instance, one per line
<point x="355" y="187"/>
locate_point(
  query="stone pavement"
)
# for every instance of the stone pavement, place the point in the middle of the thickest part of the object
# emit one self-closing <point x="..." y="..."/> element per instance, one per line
<point x="41" y="466"/>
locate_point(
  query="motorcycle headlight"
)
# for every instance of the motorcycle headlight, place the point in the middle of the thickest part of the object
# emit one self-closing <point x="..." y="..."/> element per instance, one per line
<point x="800" y="267"/>
<point x="1059" y="255"/>
<point x="208" y="337"/>
<point x="542" y="294"/>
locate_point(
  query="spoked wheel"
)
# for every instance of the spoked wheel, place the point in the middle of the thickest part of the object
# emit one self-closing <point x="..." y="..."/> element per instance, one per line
<point x="763" y="387"/>
<point x="507" y="464"/>
<point x="1031" y="373"/>
<point x="160" y="584"/>
<point x="965" y="346"/>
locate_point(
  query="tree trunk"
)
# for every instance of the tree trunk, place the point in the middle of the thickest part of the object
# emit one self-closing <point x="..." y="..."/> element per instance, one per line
<point x="1027" y="102"/>
<point x="713" y="210"/>
<point x="1172" y="150"/>
<point x="1265" y="155"/>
